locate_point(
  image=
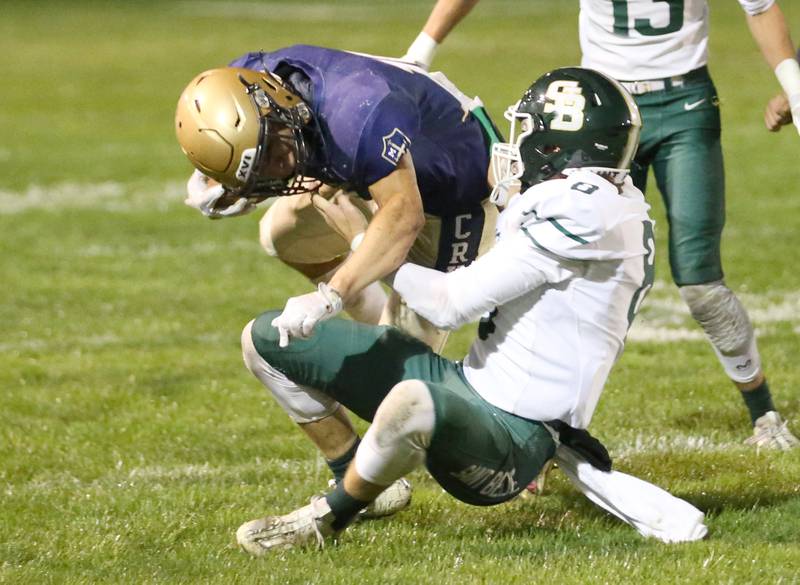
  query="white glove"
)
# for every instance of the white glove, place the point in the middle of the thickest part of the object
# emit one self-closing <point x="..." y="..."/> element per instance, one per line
<point x="204" y="197"/>
<point x="422" y="51"/>
<point x="301" y="314"/>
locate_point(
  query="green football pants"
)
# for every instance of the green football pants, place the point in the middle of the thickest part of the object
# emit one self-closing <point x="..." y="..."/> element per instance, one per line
<point x="681" y="141"/>
<point x="480" y="454"/>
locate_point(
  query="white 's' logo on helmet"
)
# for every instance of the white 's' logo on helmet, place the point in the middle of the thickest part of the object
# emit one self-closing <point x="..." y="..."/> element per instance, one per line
<point x="565" y="98"/>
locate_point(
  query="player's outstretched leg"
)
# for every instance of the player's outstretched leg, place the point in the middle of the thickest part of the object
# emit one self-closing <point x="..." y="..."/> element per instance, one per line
<point x="726" y="324"/>
<point x="394" y="445"/>
<point x="325" y="422"/>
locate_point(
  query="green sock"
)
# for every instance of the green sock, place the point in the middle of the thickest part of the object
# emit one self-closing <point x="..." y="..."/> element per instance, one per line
<point x="758" y="401"/>
<point x="339" y="465"/>
<point x="344" y="506"/>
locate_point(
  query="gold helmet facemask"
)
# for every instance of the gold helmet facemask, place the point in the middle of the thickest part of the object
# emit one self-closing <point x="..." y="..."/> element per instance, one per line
<point x="228" y="118"/>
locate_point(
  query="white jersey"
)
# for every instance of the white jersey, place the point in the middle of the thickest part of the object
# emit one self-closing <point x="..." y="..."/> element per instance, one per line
<point x="634" y="40"/>
<point x="572" y="262"/>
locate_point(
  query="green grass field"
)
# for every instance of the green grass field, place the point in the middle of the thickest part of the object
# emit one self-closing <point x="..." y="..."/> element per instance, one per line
<point x="133" y="442"/>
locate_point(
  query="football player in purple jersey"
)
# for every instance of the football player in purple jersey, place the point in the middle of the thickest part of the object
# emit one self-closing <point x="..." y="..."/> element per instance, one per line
<point x="315" y="128"/>
<point x="314" y="124"/>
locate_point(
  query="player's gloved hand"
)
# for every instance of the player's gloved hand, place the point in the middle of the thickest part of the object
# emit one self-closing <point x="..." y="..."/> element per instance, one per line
<point x="301" y="314"/>
<point x="422" y="51"/>
<point x="778" y="113"/>
<point x="212" y="200"/>
<point x="341" y="214"/>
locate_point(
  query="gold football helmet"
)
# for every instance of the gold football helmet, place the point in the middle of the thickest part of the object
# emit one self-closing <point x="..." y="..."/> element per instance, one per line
<point x="227" y="120"/>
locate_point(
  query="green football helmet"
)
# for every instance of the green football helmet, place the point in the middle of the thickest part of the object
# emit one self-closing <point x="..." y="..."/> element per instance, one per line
<point x="570" y="118"/>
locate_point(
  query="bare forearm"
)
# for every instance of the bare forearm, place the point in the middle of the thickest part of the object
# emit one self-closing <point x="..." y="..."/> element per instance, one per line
<point x="388" y="238"/>
<point x="771" y="33"/>
<point x="446" y="14"/>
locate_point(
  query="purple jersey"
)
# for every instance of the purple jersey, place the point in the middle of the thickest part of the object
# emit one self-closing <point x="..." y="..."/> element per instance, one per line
<point x="369" y="112"/>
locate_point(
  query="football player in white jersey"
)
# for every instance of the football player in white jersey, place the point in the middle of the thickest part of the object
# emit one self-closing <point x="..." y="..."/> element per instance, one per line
<point x="572" y="262"/>
<point x="659" y="50"/>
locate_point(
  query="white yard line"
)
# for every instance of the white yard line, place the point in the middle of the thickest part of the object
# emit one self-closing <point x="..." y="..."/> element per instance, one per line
<point x="148" y="475"/>
<point x="103" y="341"/>
<point x="162" y="250"/>
<point x="644" y="332"/>
<point x="650" y="445"/>
<point x="664" y="317"/>
<point x="107" y="196"/>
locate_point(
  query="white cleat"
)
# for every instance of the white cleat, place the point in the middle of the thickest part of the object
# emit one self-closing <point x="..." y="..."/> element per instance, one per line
<point x="390" y="501"/>
<point x="394" y="498"/>
<point x="306" y="526"/>
<point x="771" y="432"/>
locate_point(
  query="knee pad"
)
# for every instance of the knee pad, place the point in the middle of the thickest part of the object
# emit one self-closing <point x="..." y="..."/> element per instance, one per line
<point x="301" y="403"/>
<point x="720" y="314"/>
<point x="400" y="434"/>
<point x="408" y="412"/>
<point x="726" y="324"/>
